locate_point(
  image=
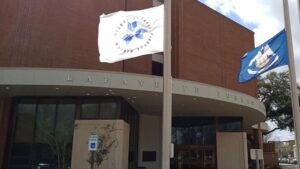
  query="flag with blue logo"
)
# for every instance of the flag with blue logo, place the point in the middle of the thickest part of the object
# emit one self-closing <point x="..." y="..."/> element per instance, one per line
<point x="271" y="54"/>
<point x="128" y="34"/>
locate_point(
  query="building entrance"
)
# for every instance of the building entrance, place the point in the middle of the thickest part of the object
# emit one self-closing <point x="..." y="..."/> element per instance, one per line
<point x="194" y="141"/>
<point x="195" y="157"/>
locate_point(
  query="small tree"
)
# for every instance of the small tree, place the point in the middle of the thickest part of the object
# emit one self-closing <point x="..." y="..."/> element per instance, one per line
<point x="60" y="143"/>
<point x="105" y="145"/>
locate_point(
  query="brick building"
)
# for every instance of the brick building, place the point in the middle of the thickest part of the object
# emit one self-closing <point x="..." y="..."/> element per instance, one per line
<point x="50" y="76"/>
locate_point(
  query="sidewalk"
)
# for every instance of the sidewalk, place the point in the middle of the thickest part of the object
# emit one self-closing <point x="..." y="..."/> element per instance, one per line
<point x="288" y="166"/>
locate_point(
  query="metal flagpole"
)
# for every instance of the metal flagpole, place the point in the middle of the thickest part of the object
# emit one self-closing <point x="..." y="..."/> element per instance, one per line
<point x="167" y="89"/>
<point x="294" y="93"/>
<point x="298" y="9"/>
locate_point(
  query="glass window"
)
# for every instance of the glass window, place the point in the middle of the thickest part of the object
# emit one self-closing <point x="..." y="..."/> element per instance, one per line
<point x="109" y="110"/>
<point x="90" y="109"/>
<point x="230" y="124"/>
<point x="198" y="135"/>
<point x="65" y="120"/>
<point x="25" y="121"/>
<point x="209" y="134"/>
<point x="45" y="120"/>
<point x="182" y="135"/>
<point x="193" y="130"/>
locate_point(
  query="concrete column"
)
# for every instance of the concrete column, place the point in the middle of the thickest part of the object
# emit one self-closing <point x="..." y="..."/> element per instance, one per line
<point x="260" y="144"/>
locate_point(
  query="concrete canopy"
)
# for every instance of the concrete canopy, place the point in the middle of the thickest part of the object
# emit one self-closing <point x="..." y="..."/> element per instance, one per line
<point x="143" y="92"/>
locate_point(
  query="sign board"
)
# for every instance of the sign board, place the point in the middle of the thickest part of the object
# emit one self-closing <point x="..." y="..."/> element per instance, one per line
<point x="256" y="152"/>
<point x="171" y="150"/>
<point x="93" y="142"/>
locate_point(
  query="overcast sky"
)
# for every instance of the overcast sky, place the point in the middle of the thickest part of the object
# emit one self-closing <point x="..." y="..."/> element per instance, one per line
<point x="265" y="18"/>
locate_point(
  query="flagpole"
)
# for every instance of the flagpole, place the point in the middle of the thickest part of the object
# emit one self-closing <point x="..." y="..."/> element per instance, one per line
<point x="294" y="91"/>
<point x="167" y="89"/>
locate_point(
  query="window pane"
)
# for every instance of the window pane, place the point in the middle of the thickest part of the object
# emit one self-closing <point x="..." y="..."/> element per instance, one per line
<point x="199" y="135"/>
<point x="90" y="109"/>
<point x="65" y="127"/>
<point x="25" y="121"/>
<point x="65" y="121"/>
<point x="227" y="124"/>
<point x="45" y="121"/>
<point x="209" y="134"/>
<point x="183" y="135"/>
<point x="108" y="110"/>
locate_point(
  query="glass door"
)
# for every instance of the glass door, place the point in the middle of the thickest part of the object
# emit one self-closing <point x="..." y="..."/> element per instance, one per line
<point x="195" y="157"/>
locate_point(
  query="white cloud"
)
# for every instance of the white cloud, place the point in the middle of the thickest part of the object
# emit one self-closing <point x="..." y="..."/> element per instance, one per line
<point x="279" y="135"/>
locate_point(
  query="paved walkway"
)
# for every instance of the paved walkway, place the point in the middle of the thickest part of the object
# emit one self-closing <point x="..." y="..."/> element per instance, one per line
<point x="289" y="166"/>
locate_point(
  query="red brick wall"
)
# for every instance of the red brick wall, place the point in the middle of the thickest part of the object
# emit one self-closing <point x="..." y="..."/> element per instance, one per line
<point x="59" y="34"/>
<point x="270" y="159"/>
<point x="208" y="46"/>
<point x="63" y="34"/>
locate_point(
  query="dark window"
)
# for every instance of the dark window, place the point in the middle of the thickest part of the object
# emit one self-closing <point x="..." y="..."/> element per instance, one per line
<point x="157" y="68"/>
<point x="25" y="121"/>
<point x="45" y="120"/>
<point x="90" y="109"/>
<point x="44" y="126"/>
<point x="194" y="141"/>
<point x="230" y="124"/>
<point x="193" y="130"/>
<point x="149" y="156"/>
<point x="65" y="119"/>
<point x="109" y="109"/>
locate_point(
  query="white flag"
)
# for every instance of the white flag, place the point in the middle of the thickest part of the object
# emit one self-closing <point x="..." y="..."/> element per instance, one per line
<point x="128" y="34"/>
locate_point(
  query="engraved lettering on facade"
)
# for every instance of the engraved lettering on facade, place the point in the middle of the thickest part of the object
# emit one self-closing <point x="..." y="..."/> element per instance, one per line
<point x="89" y="79"/>
<point x="124" y="82"/>
<point x="69" y="77"/>
<point x="184" y="88"/>
<point x="227" y="95"/>
<point x="218" y="94"/>
<point x="235" y="98"/>
<point x="141" y="83"/>
<point x="156" y="84"/>
<point x="196" y="90"/>
<point x="106" y="80"/>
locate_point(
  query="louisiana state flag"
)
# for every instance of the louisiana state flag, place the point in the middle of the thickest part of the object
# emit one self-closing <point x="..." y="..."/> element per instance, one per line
<point x="271" y="54"/>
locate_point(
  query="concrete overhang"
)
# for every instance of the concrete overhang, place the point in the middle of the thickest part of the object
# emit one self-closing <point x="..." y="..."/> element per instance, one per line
<point x="143" y="92"/>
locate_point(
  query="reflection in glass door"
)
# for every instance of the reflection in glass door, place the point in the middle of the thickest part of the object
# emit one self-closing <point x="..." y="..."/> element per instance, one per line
<point x="194" y="141"/>
<point x="195" y="157"/>
<point x="43" y="134"/>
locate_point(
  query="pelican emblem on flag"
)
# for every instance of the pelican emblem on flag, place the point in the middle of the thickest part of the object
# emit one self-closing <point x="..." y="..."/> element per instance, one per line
<point x="267" y="56"/>
<point x="264" y="59"/>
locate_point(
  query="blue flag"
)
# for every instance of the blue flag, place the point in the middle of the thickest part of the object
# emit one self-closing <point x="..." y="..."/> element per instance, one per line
<point x="271" y="54"/>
